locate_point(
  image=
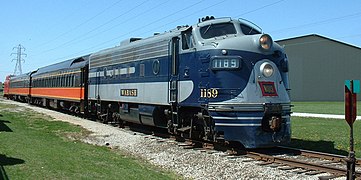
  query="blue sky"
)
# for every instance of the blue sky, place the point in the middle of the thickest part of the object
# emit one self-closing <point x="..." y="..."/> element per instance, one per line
<point x="53" y="30"/>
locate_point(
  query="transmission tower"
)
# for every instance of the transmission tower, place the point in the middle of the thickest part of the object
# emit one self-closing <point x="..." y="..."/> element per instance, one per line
<point x="18" y="58"/>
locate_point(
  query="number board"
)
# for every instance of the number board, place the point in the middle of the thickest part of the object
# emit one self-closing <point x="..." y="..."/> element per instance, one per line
<point x="224" y="63"/>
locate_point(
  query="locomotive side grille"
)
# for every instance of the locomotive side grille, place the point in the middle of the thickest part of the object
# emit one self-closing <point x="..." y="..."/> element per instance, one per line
<point x="117" y="56"/>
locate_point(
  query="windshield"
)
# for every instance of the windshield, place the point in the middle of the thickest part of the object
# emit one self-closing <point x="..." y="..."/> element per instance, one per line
<point x="248" y="30"/>
<point x="215" y="30"/>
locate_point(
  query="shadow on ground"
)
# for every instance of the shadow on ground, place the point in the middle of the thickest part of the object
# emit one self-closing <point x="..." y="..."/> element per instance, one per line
<point x="4" y="160"/>
<point x="4" y="127"/>
<point x="320" y="146"/>
<point x="7" y="161"/>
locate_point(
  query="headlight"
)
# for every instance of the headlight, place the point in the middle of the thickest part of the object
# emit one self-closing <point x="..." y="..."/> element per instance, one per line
<point x="267" y="69"/>
<point x="266" y="41"/>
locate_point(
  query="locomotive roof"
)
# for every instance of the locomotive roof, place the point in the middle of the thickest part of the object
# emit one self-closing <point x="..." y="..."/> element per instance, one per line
<point x="133" y="42"/>
<point x="74" y="63"/>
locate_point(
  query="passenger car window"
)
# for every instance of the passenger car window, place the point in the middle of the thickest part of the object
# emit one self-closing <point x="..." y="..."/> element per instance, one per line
<point x="215" y="30"/>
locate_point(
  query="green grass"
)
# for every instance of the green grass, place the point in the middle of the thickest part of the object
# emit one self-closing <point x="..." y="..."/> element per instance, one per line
<point x="325" y="135"/>
<point x="322" y="107"/>
<point x="32" y="147"/>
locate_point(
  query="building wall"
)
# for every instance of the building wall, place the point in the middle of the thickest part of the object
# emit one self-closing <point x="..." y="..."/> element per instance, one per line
<point x="319" y="66"/>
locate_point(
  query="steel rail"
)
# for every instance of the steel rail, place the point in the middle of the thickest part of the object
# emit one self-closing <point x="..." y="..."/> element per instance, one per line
<point x="315" y="154"/>
<point x="258" y="154"/>
<point x="299" y="164"/>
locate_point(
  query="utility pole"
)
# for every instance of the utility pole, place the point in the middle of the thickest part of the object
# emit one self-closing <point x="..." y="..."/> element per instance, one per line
<point x="19" y="58"/>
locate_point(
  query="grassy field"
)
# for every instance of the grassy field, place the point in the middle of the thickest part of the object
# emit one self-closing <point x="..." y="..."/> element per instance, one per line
<point x="322" y="107"/>
<point x="325" y="135"/>
<point x="32" y="147"/>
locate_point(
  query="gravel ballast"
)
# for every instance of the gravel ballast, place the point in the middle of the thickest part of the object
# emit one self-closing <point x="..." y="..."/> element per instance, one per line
<point x="164" y="153"/>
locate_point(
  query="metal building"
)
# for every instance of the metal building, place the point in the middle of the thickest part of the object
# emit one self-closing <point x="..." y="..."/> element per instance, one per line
<point x="318" y="67"/>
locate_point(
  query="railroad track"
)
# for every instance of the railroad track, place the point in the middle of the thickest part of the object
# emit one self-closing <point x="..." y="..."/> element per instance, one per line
<point x="285" y="158"/>
<point x="308" y="167"/>
<point x="278" y="156"/>
<point x="272" y="156"/>
<point x="314" y="154"/>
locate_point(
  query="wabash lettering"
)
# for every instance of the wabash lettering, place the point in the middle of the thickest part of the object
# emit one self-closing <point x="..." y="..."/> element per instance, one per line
<point x="129" y="92"/>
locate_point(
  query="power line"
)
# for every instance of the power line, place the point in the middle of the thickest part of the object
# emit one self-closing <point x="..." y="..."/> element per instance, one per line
<point x="248" y="12"/>
<point x="85" y="22"/>
<point x="126" y="20"/>
<point x="161" y="19"/>
<point x="190" y="14"/>
<point x="331" y="20"/>
<point x="54" y="23"/>
<point x="18" y="58"/>
<point x="140" y="28"/>
<point x="137" y="29"/>
<point x="68" y="42"/>
<point x="186" y="8"/>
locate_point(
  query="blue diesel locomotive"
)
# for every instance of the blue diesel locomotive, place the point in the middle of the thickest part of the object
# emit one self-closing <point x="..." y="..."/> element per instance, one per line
<point x="220" y="80"/>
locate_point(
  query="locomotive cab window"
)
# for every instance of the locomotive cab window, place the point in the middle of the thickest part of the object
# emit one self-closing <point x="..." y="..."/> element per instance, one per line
<point x="187" y="39"/>
<point x="216" y="30"/>
<point x="248" y="30"/>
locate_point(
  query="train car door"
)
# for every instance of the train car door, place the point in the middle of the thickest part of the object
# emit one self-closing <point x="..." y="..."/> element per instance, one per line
<point x="31" y="86"/>
<point x="84" y="85"/>
<point x="96" y="85"/>
<point x="97" y="89"/>
<point x="173" y="78"/>
<point x="28" y="97"/>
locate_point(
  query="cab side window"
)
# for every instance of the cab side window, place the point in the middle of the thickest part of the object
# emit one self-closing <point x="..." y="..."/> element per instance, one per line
<point x="187" y="39"/>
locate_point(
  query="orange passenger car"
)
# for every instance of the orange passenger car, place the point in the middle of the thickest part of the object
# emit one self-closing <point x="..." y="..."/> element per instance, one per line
<point x="18" y="87"/>
<point x="6" y="86"/>
<point x="62" y="85"/>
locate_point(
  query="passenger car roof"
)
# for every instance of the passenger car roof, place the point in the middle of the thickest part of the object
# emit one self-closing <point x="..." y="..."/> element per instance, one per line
<point x="74" y="63"/>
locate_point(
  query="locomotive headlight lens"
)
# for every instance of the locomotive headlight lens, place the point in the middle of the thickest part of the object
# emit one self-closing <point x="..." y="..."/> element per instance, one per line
<point x="267" y="69"/>
<point x="265" y="41"/>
